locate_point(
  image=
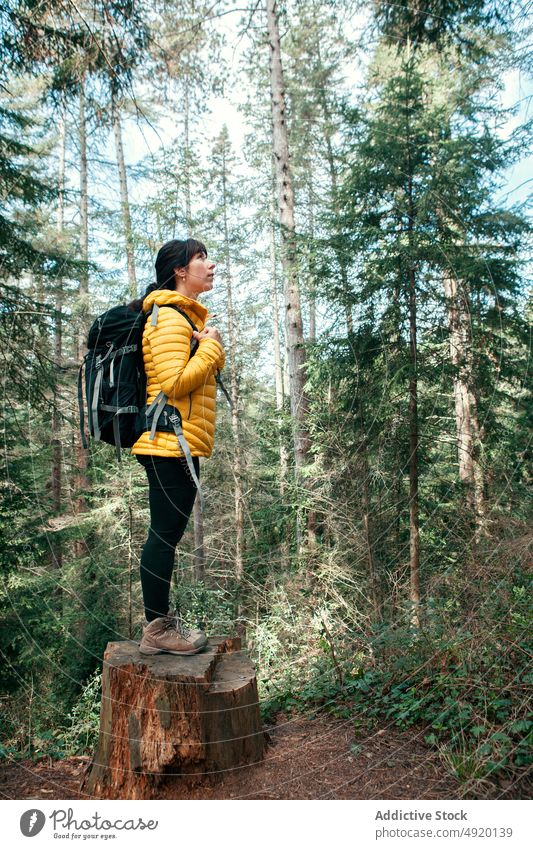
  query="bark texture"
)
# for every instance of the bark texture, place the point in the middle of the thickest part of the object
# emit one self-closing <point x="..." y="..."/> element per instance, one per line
<point x="293" y="313"/>
<point x="80" y="481"/>
<point x="238" y="456"/>
<point x="278" y="367"/>
<point x="466" y="418"/>
<point x="173" y="719"/>
<point x="125" y="202"/>
<point x="57" y="448"/>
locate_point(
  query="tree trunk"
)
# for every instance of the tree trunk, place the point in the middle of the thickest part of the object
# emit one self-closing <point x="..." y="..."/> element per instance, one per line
<point x="311" y="287"/>
<point x="375" y="588"/>
<point x="293" y="315"/>
<point x="199" y="551"/>
<point x="81" y="484"/>
<point x="414" y="528"/>
<point x="311" y="290"/>
<point x="130" y="562"/>
<point x="188" y="205"/>
<point x="57" y="448"/>
<point x="466" y="420"/>
<point x="234" y="389"/>
<point x="479" y="477"/>
<point x="397" y="572"/>
<point x="167" y="722"/>
<point x="124" y="202"/>
<point x="278" y="367"/>
<point x="83" y="289"/>
<point x="293" y="323"/>
<point x="463" y="426"/>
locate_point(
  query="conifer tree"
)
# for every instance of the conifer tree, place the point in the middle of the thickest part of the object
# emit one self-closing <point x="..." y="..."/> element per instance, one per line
<point x="409" y="160"/>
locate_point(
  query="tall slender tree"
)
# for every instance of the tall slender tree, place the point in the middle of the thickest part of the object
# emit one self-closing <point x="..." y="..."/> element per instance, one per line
<point x="293" y="317"/>
<point x="124" y="199"/>
<point x="224" y="161"/>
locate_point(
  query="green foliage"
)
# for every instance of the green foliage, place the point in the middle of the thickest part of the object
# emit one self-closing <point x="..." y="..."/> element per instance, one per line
<point x="435" y="23"/>
<point x="81" y="735"/>
<point x="467" y="688"/>
<point x="199" y="603"/>
<point x="289" y="646"/>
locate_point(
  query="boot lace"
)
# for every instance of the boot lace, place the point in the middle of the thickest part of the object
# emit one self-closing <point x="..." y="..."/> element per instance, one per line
<point x="173" y="622"/>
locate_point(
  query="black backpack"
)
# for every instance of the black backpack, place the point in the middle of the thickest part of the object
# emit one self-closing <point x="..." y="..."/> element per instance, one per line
<point x="115" y="384"/>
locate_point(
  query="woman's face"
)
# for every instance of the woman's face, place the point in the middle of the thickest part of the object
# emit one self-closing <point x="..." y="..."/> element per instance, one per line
<point x="197" y="277"/>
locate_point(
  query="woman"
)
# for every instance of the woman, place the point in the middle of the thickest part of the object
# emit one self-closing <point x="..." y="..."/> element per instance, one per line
<point x="183" y="272"/>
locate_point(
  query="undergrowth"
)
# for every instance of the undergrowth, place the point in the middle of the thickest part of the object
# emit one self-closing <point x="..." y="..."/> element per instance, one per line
<point x="465" y="689"/>
<point x="469" y="690"/>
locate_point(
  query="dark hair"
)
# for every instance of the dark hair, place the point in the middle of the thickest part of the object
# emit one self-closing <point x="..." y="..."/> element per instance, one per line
<point x="174" y="254"/>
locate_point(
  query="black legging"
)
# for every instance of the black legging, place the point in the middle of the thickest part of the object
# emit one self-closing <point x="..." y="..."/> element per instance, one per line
<point x="172" y="492"/>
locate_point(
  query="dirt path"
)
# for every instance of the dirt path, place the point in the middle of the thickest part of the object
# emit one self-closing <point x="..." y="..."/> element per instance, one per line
<point x="322" y="758"/>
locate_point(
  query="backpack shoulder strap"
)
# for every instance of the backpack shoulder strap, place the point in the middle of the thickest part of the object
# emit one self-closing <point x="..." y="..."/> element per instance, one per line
<point x="154" y="312"/>
<point x="184" y="314"/>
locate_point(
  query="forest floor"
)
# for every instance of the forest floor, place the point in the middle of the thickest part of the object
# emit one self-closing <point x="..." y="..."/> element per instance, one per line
<point x="319" y="758"/>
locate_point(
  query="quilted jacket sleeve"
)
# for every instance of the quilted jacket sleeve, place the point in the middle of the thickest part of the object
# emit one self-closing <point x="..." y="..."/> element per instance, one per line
<point x="169" y="343"/>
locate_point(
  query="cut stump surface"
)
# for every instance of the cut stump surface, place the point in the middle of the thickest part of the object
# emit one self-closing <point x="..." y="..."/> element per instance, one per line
<point x="171" y="718"/>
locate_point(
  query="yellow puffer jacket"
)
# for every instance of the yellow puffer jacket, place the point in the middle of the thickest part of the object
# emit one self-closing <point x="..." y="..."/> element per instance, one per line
<point x="189" y="384"/>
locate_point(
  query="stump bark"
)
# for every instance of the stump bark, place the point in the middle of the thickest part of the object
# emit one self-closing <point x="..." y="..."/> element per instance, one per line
<point x="173" y="719"/>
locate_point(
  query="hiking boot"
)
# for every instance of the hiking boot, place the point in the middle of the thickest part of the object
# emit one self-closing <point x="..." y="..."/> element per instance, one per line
<point x="167" y="634"/>
<point x="196" y="632"/>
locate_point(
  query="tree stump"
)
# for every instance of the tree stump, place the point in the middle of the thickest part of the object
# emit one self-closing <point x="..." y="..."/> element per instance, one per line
<point x="173" y="718"/>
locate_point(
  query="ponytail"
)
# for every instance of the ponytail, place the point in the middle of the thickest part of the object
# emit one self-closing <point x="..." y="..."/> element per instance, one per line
<point x="137" y="304"/>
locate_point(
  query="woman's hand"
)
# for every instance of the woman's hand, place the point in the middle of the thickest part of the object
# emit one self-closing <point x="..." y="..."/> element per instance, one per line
<point x="207" y="333"/>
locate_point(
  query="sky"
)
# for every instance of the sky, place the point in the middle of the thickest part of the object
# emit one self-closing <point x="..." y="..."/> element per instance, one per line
<point x="518" y="90"/>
